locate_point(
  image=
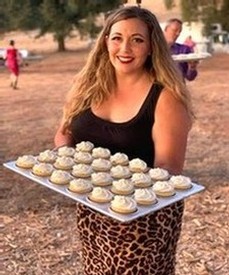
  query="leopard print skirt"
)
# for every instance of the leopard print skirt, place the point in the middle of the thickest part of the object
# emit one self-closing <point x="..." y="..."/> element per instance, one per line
<point x="145" y="246"/>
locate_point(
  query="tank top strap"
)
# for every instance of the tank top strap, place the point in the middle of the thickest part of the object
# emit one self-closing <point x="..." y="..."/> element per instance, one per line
<point x="150" y="103"/>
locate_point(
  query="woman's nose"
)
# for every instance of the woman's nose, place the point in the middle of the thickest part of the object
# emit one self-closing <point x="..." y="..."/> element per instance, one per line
<point x="126" y="46"/>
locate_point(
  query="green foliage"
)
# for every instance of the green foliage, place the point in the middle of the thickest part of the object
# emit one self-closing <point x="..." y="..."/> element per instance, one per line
<point x="4" y="18"/>
<point x="57" y="16"/>
<point x="208" y="11"/>
<point x="210" y="15"/>
<point x="169" y="4"/>
<point x="225" y="15"/>
<point x="189" y="10"/>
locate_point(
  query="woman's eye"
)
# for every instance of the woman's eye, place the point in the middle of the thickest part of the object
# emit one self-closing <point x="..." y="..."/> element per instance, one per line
<point x="138" y="40"/>
<point x="116" y="38"/>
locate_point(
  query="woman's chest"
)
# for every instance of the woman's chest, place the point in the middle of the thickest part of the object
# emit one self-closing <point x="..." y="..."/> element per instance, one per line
<point x="120" y="109"/>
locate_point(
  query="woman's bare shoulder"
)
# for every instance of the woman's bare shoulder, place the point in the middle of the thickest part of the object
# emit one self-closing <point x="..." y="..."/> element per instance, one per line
<point x="171" y="108"/>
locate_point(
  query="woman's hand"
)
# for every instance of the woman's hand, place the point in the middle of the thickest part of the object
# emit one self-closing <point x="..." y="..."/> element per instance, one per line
<point x="62" y="139"/>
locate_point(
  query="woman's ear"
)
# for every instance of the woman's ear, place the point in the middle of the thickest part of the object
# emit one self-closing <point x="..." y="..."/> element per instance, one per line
<point x="106" y="40"/>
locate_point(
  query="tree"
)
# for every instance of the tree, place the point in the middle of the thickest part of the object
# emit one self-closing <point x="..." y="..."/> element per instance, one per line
<point x="59" y="17"/>
<point x="169" y="4"/>
<point x="207" y="11"/>
<point x="225" y="15"/>
<point x="4" y="18"/>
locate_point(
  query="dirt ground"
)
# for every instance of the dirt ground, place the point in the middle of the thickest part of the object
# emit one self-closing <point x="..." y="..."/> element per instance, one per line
<point x="39" y="234"/>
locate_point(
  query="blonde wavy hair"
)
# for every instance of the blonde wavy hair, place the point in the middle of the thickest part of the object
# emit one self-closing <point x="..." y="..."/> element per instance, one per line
<point x="95" y="82"/>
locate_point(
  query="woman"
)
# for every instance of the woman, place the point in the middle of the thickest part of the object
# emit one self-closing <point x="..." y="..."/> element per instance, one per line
<point x="13" y="60"/>
<point x="130" y="98"/>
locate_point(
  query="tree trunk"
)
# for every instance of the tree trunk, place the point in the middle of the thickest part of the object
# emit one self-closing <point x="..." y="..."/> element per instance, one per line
<point x="61" y="44"/>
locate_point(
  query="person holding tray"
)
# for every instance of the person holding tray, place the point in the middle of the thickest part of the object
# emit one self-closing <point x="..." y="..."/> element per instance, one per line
<point x="172" y="31"/>
<point x="131" y="98"/>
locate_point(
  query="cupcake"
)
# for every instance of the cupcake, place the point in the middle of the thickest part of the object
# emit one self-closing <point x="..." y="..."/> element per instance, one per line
<point x="101" y="179"/>
<point x="137" y="165"/>
<point x="119" y="172"/>
<point x="163" y="189"/>
<point x="145" y="196"/>
<point x="85" y="146"/>
<point x="60" y="177"/>
<point x="122" y="187"/>
<point x="81" y="170"/>
<point x="181" y="182"/>
<point x="80" y="186"/>
<point x="158" y="174"/>
<point x="83" y="157"/>
<point x="47" y="156"/>
<point x="100" y="195"/>
<point x="101" y="165"/>
<point x="141" y="180"/>
<point x="26" y="161"/>
<point x="64" y="163"/>
<point x="123" y="204"/>
<point x="66" y="151"/>
<point x="119" y="159"/>
<point x="100" y="152"/>
<point x="42" y="169"/>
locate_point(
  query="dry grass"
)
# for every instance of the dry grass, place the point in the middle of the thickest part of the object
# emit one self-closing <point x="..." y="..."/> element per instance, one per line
<point x="39" y="226"/>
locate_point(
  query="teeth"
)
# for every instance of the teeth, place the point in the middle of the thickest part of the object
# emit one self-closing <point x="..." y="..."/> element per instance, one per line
<point x="125" y="59"/>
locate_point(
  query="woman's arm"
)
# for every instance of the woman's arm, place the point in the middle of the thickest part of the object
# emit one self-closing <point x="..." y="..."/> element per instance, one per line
<point x="61" y="139"/>
<point x="170" y="133"/>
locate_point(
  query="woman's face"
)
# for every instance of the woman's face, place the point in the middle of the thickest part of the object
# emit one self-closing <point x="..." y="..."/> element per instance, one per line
<point x="128" y="45"/>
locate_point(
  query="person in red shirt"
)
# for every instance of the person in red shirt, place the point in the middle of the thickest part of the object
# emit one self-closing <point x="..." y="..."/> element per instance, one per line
<point x="13" y="59"/>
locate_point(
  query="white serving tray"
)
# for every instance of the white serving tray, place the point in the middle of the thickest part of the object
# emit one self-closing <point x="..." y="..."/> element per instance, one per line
<point x="190" y="57"/>
<point x="105" y="207"/>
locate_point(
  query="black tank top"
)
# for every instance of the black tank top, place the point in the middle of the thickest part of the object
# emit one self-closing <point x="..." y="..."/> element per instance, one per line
<point x="133" y="137"/>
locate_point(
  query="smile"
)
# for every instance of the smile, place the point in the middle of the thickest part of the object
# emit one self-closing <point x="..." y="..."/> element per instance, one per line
<point x="125" y="59"/>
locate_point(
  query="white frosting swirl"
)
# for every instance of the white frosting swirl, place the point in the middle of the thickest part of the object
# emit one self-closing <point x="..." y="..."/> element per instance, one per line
<point x="83" y="157"/>
<point x="85" y="146"/>
<point x="43" y="169"/>
<point x="80" y="185"/>
<point x="60" y="177"/>
<point x="47" y="156"/>
<point x="64" y="162"/>
<point x="123" y="202"/>
<point x="101" y="193"/>
<point x="120" y="171"/>
<point x="180" y="181"/>
<point x="101" y="164"/>
<point x="144" y="194"/>
<point x="26" y="161"/>
<point x="123" y="185"/>
<point x="101" y="177"/>
<point x="163" y="186"/>
<point x="137" y="165"/>
<point x="81" y="170"/>
<point x="119" y="159"/>
<point x="138" y="178"/>
<point x="66" y="151"/>
<point x="100" y="152"/>
<point x="159" y="174"/>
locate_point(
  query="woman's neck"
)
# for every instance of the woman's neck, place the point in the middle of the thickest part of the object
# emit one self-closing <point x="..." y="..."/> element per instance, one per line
<point x="133" y="80"/>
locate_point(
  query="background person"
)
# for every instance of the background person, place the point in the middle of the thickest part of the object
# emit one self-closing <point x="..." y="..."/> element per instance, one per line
<point x="131" y="98"/>
<point x="13" y="60"/>
<point x="189" y="42"/>
<point x="172" y="31"/>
